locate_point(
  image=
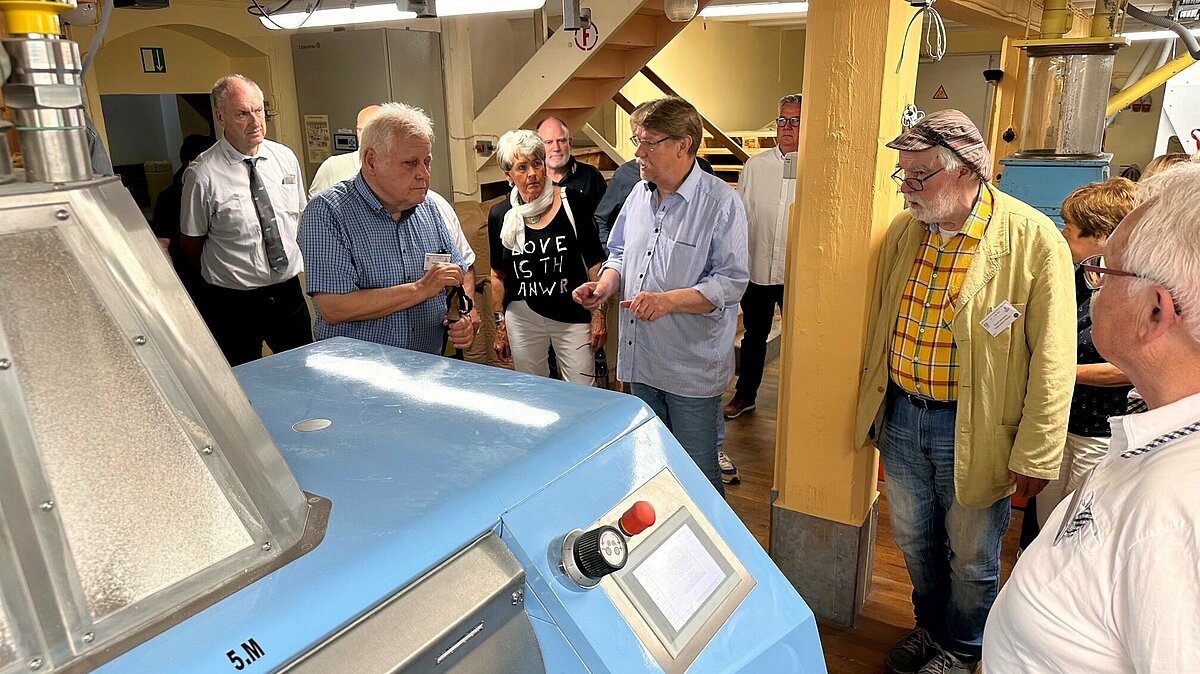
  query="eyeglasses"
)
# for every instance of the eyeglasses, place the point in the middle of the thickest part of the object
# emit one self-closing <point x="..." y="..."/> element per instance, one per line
<point x="1094" y="272"/>
<point x="650" y="145"/>
<point x="787" y="121"/>
<point x="599" y="364"/>
<point x="914" y="184"/>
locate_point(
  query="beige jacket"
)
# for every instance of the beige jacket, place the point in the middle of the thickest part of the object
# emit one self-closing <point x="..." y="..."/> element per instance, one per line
<point x="1014" y="391"/>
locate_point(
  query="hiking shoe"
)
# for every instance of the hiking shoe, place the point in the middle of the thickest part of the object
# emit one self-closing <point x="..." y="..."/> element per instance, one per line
<point x="911" y="653"/>
<point x="729" y="473"/>
<point x="737" y="408"/>
<point x="948" y="663"/>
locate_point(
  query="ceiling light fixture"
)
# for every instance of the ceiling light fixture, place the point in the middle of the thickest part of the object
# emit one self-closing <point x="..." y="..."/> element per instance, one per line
<point x="680" y="11"/>
<point x="360" y="13"/>
<point x="753" y="9"/>
<point x="1156" y="35"/>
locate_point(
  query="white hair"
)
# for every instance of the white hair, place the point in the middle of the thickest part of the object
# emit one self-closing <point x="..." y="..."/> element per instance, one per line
<point x="220" y="89"/>
<point x="1165" y="246"/>
<point x="391" y="121"/>
<point x="521" y="141"/>
<point x="950" y="161"/>
<point x="790" y="99"/>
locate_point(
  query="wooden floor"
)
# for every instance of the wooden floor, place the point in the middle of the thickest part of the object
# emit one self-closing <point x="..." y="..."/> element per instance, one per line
<point x="750" y="443"/>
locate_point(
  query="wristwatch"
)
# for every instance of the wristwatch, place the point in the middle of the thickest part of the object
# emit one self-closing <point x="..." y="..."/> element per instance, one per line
<point x="498" y="316"/>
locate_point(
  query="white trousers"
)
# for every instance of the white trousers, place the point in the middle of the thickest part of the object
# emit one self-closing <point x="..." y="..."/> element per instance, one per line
<point x="530" y="336"/>
<point x="1080" y="456"/>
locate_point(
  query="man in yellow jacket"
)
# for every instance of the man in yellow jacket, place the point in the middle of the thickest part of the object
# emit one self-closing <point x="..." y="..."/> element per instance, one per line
<point x="967" y="379"/>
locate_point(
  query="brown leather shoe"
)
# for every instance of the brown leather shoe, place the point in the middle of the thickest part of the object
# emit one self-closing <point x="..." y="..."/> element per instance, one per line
<point x="737" y="408"/>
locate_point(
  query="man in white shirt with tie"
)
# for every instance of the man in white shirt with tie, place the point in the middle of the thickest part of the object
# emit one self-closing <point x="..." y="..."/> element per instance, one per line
<point x="241" y="206"/>
<point x="767" y="192"/>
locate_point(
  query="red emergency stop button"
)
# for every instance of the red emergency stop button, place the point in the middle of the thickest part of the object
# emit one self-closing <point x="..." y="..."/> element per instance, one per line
<point x="637" y="519"/>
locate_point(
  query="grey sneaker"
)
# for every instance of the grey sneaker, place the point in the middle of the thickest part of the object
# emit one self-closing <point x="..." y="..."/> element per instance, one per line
<point x="948" y="663"/>
<point x="911" y="653"/>
<point x="729" y="473"/>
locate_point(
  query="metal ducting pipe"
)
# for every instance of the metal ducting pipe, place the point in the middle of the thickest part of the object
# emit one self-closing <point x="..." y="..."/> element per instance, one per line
<point x="1143" y="64"/>
<point x="1056" y="19"/>
<point x="1179" y="29"/>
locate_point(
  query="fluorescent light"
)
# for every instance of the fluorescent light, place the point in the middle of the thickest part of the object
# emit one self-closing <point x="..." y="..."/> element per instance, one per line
<point x="754" y="9"/>
<point x="460" y="7"/>
<point x="335" y="16"/>
<point x="345" y="16"/>
<point x="1156" y="35"/>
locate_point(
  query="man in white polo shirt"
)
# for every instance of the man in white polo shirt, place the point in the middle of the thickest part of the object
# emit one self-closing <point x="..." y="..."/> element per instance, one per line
<point x="241" y="206"/>
<point x="1112" y="584"/>
<point x="768" y="193"/>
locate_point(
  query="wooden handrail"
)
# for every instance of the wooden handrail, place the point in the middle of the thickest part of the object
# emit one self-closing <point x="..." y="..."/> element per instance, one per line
<point x="720" y="136"/>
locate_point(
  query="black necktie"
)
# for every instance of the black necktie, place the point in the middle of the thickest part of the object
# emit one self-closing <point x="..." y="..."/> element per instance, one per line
<point x="272" y="242"/>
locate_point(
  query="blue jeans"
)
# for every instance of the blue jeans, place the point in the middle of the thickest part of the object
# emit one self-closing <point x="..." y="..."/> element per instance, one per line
<point x="952" y="552"/>
<point x="693" y="422"/>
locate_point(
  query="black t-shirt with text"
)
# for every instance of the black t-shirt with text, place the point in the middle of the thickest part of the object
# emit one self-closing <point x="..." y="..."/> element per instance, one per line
<point x="553" y="263"/>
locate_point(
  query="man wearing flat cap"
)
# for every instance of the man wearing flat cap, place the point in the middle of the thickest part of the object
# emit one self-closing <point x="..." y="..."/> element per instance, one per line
<point x="967" y="379"/>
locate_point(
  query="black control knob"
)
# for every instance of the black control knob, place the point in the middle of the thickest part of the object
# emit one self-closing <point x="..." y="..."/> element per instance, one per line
<point x="600" y="552"/>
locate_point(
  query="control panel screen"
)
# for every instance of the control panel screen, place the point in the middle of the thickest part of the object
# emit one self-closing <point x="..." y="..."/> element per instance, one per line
<point x="677" y="579"/>
<point x="679" y="576"/>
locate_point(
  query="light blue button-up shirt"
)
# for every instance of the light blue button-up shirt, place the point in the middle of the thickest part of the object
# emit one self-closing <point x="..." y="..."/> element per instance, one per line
<point x="695" y="238"/>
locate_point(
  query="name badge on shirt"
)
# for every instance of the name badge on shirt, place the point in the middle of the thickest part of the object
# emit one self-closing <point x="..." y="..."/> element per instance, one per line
<point x="1000" y="318"/>
<point x="436" y="258"/>
<point x="289" y="179"/>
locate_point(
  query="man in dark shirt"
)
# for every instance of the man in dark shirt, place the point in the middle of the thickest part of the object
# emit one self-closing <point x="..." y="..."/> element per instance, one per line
<point x="564" y="169"/>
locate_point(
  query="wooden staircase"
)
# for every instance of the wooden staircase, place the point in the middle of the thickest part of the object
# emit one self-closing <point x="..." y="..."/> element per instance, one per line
<point x="567" y="82"/>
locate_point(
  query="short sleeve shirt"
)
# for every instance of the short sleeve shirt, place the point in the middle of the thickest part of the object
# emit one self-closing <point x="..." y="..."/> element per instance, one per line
<point x="216" y="204"/>
<point x="553" y="263"/>
<point x="352" y="243"/>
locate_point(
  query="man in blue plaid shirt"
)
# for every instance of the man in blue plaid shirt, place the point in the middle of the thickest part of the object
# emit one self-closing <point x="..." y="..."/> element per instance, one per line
<point x="379" y="259"/>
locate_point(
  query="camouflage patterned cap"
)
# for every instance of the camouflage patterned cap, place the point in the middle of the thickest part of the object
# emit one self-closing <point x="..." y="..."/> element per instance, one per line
<point x="952" y="130"/>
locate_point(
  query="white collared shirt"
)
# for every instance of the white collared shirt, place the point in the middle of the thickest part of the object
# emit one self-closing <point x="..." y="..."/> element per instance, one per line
<point x="216" y="203"/>
<point x="1112" y="584"/>
<point x="341" y="167"/>
<point x="767" y="196"/>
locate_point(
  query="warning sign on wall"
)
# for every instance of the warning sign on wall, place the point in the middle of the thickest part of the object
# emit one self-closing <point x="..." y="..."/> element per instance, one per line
<point x="940" y="94"/>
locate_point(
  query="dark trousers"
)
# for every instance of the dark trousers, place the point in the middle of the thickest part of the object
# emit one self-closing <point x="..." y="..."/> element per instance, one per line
<point x="758" y="310"/>
<point x="241" y="320"/>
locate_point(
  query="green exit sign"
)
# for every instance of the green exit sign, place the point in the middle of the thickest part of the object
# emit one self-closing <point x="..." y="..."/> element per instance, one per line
<point x="153" y="60"/>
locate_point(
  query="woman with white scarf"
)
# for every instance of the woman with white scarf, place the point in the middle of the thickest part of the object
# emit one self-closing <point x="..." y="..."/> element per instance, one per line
<point x="543" y="245"/>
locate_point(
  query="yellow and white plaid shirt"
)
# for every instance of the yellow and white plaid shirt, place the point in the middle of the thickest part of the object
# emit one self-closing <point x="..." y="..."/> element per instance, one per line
<point x="924" y="359"/>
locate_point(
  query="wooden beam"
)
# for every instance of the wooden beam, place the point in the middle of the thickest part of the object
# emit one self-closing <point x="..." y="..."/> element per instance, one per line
<point x="602" y="143"/>
<point x="720" y="136"/>
<point x="1008" y="17"/>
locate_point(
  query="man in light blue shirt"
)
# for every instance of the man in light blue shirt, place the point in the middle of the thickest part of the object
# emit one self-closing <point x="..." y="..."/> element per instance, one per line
<point x="677" y="257"/>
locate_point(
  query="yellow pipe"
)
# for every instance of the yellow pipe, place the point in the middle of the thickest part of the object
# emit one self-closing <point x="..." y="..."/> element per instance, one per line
<point x="1055" y="19"/>
<point x="1147" y="84"/>
<point x="23" y="17"/>
<point x="1104" y="17"/>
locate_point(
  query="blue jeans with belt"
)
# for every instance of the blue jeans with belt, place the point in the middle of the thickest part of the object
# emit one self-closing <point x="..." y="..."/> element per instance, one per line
<point x="952" y="552"/>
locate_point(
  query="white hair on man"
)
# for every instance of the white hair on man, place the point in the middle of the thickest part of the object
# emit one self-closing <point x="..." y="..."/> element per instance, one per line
<point x="391" y="121"/>
<point x="519" y="142"/>
<point x="1165" y="246"/>
<point x="791" y="99"/>
<point x="222" y="86"/>
<point x="950" y="161"/>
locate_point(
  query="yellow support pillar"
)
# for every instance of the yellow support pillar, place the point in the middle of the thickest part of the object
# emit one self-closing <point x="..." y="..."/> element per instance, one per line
<point x="824" y="514"/>
<point x="1007" y="104"/>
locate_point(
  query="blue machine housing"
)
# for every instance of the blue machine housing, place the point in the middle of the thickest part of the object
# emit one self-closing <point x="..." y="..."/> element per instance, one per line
<point x="1045" y="183"/>
<point x="426" y="454"/>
